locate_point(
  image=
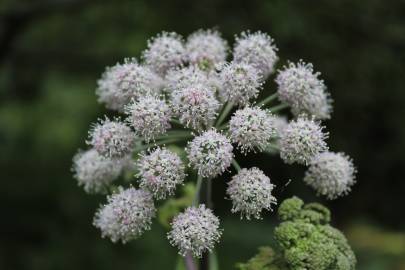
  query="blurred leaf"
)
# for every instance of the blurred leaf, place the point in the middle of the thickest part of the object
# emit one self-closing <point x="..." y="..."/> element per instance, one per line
<point x="174" y="206"/>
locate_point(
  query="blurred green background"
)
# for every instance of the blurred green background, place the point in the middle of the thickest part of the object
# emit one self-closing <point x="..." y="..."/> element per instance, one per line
<point x="53" y="51"/>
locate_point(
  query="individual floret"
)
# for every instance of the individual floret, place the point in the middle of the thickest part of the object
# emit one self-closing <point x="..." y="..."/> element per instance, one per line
<point x="331" y="174"/>
<point x="258" y="50"/>
<point x="164" y="52"/>
<point x="195" y="231"/>
<point x="160" y="171"/>
<point x="149" y="116"/>
<point x="252" y="129"/>
<point x="123" y="82"/>
<point x="302" y="140"/>
<point x="111" y="138"/>
<point x="126" y="216"/>
<point x="206" y="48"/>
<point x="300" y="88"/>
<point x="250" y="192"/>
<point x="241" y="82"/>
<point x="95" y="172"/>
<point x="210" y="153"/>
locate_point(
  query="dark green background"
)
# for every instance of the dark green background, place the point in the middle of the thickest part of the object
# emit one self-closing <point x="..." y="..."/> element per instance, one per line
<point x="52" y="52"/>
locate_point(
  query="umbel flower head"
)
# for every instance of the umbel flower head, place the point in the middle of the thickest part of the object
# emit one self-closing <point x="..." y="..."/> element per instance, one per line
<point x="126" y="216"/>
<point x="164" y="52"/>
<point x="95" y="172"/>
<point x="195" y="231"/>
<point x="331" y="174"/>
<point x="149" y="116"/>
<point x="123" y="82"/>
<point x="160" y="171"/>
<point x="206" y="48"/>
<point x="195" y="104"/>
<point x="210" y="153"/>
<point x="300" y="88"/>
<point x="258" y="50"/>
<point x="241" y="82"/>
<point x="111" y="138"/>
<point x="252" y="129"/>
<point x="250" y="192"/>
<point x="302" y="140"/>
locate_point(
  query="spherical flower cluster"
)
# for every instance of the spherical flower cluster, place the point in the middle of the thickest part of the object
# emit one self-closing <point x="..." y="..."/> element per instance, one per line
<point x="241" y="82"/>
<point x="252" y="129"/>
<point x="184" y="77"/>
<point x="195" y="104"/>
<point x="123" y="82"/>
<point x="280" y="123"/>
<point x="331" y="174"/>
<point x="195" y="231"/>
<point x="258" y="50"/>
<point x="250" y="192"/>
<point x="126" y="215"/>
<point x="206" y="48"/>
<point x="300" y="88"/>
<point x="302" y="140"/>
<point x="149" y="116"/>
<point x="164" y="52"/>
<point x="95" y="172"/>
<point x="160" y="171"/>
<point x="210" y="153"/>
<point x="112" y="139"/>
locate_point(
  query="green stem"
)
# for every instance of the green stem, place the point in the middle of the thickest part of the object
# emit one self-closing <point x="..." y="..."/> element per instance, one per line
<point x="177" y="122"/>
<point x="278" y="108"/>
<point x="224" y="113"/>
<point x="267" y="100"/>
<point x="209" y="193"/>
<point x="157" y="143"/>
<point x="196" y="200"/>
<point x="175" y="134"/>
<point x="236" y="165"/>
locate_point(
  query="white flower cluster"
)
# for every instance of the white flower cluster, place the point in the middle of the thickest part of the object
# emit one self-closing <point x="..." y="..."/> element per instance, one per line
<point x="258" y="50"/>
<point x="160" y="171"/>
<point x="112" y="138"/>
<point x="123" y="82"/>
<point x="187" y="91"/>
<point x="95" y="172"/>
<point x="302" y="140"/>
<point x="250" y="192"/>
<point x="126" y="215"/>
<point x="241" y="82"/>
<point x="149" y="116"/>
<point x="331" y="174"/>
<point x="300" y="87"/>
<point x="196" y="231"/>
<point x="205" y="48"/>
<point x="252" y="128"/>
<point x="210" y="153"/>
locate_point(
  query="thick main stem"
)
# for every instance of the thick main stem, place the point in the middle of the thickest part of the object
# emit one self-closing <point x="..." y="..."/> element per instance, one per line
<point x="189" y="262"/>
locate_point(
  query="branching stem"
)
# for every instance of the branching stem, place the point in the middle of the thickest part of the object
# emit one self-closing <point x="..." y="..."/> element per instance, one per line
<point x="236" y="165"/>
<point x="267" y="99"/>
<point x="224" y="114"/>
